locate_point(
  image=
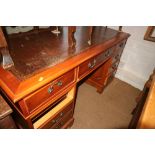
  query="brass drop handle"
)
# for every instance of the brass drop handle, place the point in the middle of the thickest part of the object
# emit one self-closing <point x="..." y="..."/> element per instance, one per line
<point x="50" y="90"/>
<point x="117" y="56"/>
<point x="59" y="125"/>
<point x="61" y="114"/>
<point x="57" y="120"/>
<point x="114" y="66"/>
<point x="107" y="53"/>
<point x="59" y="83"/>
<point x="121" y="45"/>
<point x="92" y="65"/>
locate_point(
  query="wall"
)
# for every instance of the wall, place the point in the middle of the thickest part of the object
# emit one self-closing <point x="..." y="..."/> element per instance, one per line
<point x="18" y="29"/>
<point x="138" y="59"/>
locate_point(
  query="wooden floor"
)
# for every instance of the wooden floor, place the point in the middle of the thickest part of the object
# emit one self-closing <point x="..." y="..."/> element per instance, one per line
<point x="111" y="109"/>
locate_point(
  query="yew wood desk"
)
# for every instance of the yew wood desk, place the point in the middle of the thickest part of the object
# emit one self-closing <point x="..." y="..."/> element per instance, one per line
<point x="41" y="85"/>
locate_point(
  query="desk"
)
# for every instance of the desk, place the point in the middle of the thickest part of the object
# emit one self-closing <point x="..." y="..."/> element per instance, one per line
<point x="41" y="86"/>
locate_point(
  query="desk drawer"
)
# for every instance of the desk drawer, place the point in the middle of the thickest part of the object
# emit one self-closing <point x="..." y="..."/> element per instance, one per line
<point x="58" y="117"/>
<point x="113" y="67"/>
<point x="47" y="92"/>
<point x="120" y="46"/>
<point x="116" y="57"/>
<point x="63" y="121"/>
<point x="56" y="113"/>
<point x="89" y="65"/>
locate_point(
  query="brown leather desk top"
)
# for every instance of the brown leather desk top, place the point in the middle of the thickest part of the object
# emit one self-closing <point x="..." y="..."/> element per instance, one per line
<point x="40" y="58"/>
<point x="35" y="52"/>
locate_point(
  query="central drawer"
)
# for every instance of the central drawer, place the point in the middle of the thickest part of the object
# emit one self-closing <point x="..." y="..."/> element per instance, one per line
<point x="46" y="93"/>
<point x="91" y="64"/>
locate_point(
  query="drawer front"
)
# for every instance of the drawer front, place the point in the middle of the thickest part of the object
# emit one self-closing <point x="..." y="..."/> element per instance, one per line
<point x="59" y="116"/>
<point x="120" y="46"/>
<point x="116" y="57"/>
<point x="113" y="67"/>
<point x="46" y="93"/>
<point x="89" y="65"/>
<point x="63" y="121"/>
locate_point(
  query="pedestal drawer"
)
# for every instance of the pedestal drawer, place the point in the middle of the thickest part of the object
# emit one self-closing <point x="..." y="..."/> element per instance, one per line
<point x="113" y="67"/>
<point x="120" y="46"/>
<point x="49" y="91"/>
<point x="63" y="121"/>
<point x="58" y="117"/>
<point x="56" y="113"/>
<point x="116" y="56"/>
<point x="89" y="65"/>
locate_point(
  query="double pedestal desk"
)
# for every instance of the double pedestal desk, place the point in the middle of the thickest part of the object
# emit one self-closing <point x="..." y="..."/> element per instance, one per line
<point x="41" y="86"/>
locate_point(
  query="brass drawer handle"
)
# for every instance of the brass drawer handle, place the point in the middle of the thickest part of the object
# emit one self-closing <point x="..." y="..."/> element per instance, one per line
<point x="57" y="120"/>
<point x="61" y="114"/>
<point x="121" y="45"/>
<point x="107" y="53"/>
<point x="92" y="65"/>
<point x="117" y="56"/>
<point x="50" y="90"/>
<point x="59" y="83"/>
<point x="59" y="125"/>
<point x="115" y="66"/>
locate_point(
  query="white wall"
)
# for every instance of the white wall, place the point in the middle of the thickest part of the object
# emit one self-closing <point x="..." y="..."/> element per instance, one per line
<point x="18" y="29"/>
<point x="138" y="59"/>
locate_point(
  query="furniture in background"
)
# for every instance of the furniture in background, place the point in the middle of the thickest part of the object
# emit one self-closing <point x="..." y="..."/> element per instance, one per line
<point x="143" y="114"/>
<point x="147" y="118"/>
<point x="6" y="121"/>
<point x="41" y="86"/>
<point x="150" y="34"/>
<point x="5" y="57"/>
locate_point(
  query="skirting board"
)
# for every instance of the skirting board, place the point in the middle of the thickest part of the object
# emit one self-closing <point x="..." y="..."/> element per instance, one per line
<point x="130" y="78"/>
